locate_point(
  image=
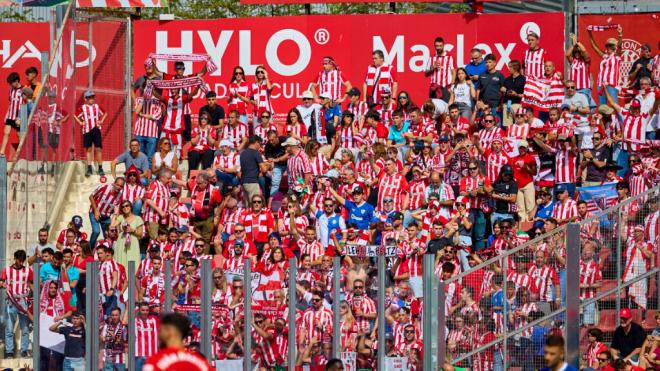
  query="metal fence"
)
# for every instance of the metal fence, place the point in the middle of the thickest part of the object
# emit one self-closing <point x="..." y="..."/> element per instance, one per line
<point x="568" y="280"/>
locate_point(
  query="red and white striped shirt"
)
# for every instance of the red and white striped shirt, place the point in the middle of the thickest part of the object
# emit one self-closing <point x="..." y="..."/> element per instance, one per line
<point x="15" y="101"/>
<point x="441" y="75"/>
<point x="608" y="74"/>
<point x="229" y="219"/>
<point x="204" y="134"/>
<point x="173" y="121"/>
<point x="148" y="127"/>
<point x="486" y="136"/>
<point x="232" y="160"/>
<point x="580" y="73"/>
<point x="516" y="131"/>
<point x="469" y="184"/>
<point x="115" y="337"/>
<point x="634" y="129"/>
<point x="235" y="134"/>
<point x="347" y="137"/>
<point x="652" y="227"/>
<point x="315" y="250"/>
<point x="562" y="211"/>
<point x="262" y="131"/>
<point x="521" y="321"/>
<point x="238" y="88"/>
<point x="90" y="115"/>
<point x="392" y="186"/>
<point x="160" y="194"/>
<point x="565" y="166"/>
<point x="366" y="306"/>
<point x="494" y="163"/>
<point x="17" y="280"/>
<point x="533" y="63"/>
<point x="589" y="274"/>
<point x="298" y="166"/>
<point x="417" y="194"/>
<point x="261" y="96"/>
<point x="132" y="193"/>
<point x="330" y="83"/>
<point x="266" y="350"/>
<point x="258" y="226"/>
<point x="386" y="114"/>
<point x="146" y="335"/>
<point x="106" y="269"/>
<point x="106" y="199"/>
<point x="378" y="78"/>
<point x="546" y="278"/>
<point x="358" y="110"/>
<point x="317" y="323"/>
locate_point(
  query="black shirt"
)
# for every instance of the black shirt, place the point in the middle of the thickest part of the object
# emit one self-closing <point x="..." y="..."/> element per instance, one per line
<point x="275" y="151"/>
<point x="643" y="72"/>
<point x="217" y="113"/>
<point x="604" y="153"/>
<point x="250" y="160"/>
<point x="504" y="189"/>
<point x="626" y="343"/>
<point x="74" y="341"/>
<point x="490" y="87"/>
<point x="516" y="84"/>
<point x="141" y="81"/>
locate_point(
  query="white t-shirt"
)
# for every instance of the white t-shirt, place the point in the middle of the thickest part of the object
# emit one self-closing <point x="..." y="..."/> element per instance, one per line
<point x="462" y="94"/>
<point x="440" y="107"/>
<point x="306" y="113"/>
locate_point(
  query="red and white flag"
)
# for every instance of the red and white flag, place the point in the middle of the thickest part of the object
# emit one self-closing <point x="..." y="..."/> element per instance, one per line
<point x="543" y="94"/>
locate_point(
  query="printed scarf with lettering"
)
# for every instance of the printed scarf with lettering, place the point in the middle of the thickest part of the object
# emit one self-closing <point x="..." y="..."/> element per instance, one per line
<point x="185" y="82"/>
<point x="599" y="28"/>
<point x="210" y="65"/>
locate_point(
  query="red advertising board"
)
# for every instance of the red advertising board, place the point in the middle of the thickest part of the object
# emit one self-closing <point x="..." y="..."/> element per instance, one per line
<point x="292" y="48"/>
<point x="21" y="45"/>
<point x="638" y="29"/>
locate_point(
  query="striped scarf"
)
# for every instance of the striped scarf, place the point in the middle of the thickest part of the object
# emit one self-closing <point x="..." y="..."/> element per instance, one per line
<point x="186" y="82"/>
<point x="210" y="65"/>
<point x="599" y="28"/>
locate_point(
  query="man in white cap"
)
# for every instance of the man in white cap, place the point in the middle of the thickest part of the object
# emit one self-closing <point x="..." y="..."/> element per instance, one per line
<point x="308" y="107"/>
<point x="524" y="170"/>
<point x="227" y="164"/>
<point x="298" y="165"/>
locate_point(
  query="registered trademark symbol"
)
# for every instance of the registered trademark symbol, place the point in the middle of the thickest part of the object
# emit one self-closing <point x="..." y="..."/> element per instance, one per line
<point x="321" y="36"/>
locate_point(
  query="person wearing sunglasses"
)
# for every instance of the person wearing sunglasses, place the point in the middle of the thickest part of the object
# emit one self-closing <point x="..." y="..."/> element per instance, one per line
<point x="130" y="227"/>
<point x="576" y="103"/>
<point x="261" y="90"/>
<point x="259" y="223"/>
<point x="239" y="94"/>
<point x="608" y="71"/>
<point x="102" y="204"/>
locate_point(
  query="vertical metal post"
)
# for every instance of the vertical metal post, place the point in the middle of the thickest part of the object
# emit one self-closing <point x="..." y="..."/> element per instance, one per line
<point x="36" y="321"/>
<point x="128" y="81"/>
<point x="247" y="305"/>
<point x="336" y="298"/>
<point x="568" y="8"/>
<point x="205" y="312"/>
<point x="428" y="264"/>
<point x="393" y="7"/>
<point x="91" y="311"/>
<point x="381" y="311"/>
<point x="93" y="333"/>
<point x="442" y="325"/>
<point x="505" y="312"/>
<point x="23" y="114"/>
<point x="132" y="336"/>
<point x="52" y="22"/>
<point x="168" y="286"/>
<point x="619" y="260"/>
<point x="90" y="61"/>
<point x="293" y="299"/>
<point x="308" y="9"/>
<point x="573" y="245"/>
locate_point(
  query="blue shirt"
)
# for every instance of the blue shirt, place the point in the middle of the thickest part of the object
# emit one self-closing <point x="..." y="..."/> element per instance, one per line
<point x="396" y="136"/>
<point x="543" y="212"/>
<point x="498" y="300"/>
<point x="476" y="70"/>
<point x="48" y="272"/>
<point x="566" y="368"/>
<point x="326" y="224"/>
<point x="361" y="215"/>
<point x="331" y="112"/>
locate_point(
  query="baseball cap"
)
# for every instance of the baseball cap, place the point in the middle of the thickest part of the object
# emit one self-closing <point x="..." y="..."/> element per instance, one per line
<point x="443" y="138"/>
<point x="89" y="94"/>
<point x="625" y="313"/>
<point x="564" y="106"/>
<point x="561" y="188"/>
<point x="506" y="169"/>
<point x="154" y="247"/>
<point x="182" y="229"/>
<point x="639" y="228"/>
<point x="324" y="96"/>
<point x="227" y="143"/>
<point x="604" y="109"/>
<point x="461" y="200"/>
<point x="133" y="169"/>
<point x="358" y="191"/>
<point x="353" y="92"/>
<point x="396" y="216"/>
<point x="520" y="111"/>
<point x="307" y="95"/>
<point x="635" y="103"/>
<point x="498" y="140"/>
<point x="290" y="142"/>
<point x="523" y="143"/>
<point x="239" y="242"/>
<point x="77" y="221"/>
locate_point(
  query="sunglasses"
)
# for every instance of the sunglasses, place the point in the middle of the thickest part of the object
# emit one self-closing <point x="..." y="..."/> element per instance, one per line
<point x="597" y="138"/>
<point x="316" y="300"/>
<point x="239" y="230"/>
<point x="472" y="168"/>
<point x="202" y="246"/>
<point x="238" y="287"/>
<point x="257" y="201"/>
<point x="409" y="331"/>
<point x="523" y="115"/>
<point x="400" y="98"/>
<point x="217" y="277"/>
<point x="180" y="68"/>
<point x="265" y="116"/>
<point x="306" y="99"/>
<point x="125" y="206"/>
<point x="260" y="72"/>
<point x="358" y="287"/>
<point x="328" y="205"/>
<point x="238" y="73"/>
<point x="166" y="143"/>
<point x="388" y="201"/>
<point x="570" y="87"/>
<point x="190" y="265"/>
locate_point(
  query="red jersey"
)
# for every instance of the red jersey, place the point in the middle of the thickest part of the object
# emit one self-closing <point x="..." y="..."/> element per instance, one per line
<point x="565" y="210"/>
<point x="160" y="194"/>
<point x="442" y="75"/>
<point x="298" y="166"/>
<point x="608" y="74"/>
<point x="469" y="184"/>
<point x="146" y="335"/>
<point x="533" y="63"/>
<point x="106" y="199"/>
<point x="494" y="163"/>
<point x="148" y="127"/>
<point x="634" y="129"/>
<point x="546" y="279"/>
<point x="204" y="134"/>
<point x="132" y="193"/>
<point x="15" y="101"/>
<point x="261" y="97"/>
<point x="392" y="186"/>
<point x="520" y="174"/>
<point x="378" y="78"/>
<point x="258" y="226"/>
<point x="238" y="88"/>
<point x="235" y="134"/>
<point x="90" y="115"/>
<point x="579" y="73"/>
<point x="176" y="360"/>
<point x="17" y="280"/>
<point x="330" y="83"/>
<point x="565" y="166"/>
<point x="589" y="274"/>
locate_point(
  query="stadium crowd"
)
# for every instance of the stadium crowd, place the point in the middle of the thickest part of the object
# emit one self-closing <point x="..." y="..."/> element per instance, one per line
<point x="481" y="165"/>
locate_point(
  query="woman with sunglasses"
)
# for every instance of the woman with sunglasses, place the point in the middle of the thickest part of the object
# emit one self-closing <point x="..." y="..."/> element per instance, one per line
<point x="261" y="90"/>
<point x="295" y="126"/>
<point x="239" y="94"/>
<point x="608" y="71"/>
<point x="130" y="227"/>
<point x="203" y="139"/>
<point x="133" y="190"/>
<point x="405" y="104"/>
<point x="164" y="158"/>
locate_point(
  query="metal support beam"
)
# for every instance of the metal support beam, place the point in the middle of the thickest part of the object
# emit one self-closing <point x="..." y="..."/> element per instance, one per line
<point x="381" y="310"/>
<point x="573" y="294"/>
<point x="4" y="183"/>
<point x="36" y="322"/>
<point x="168" y="286"/>
<point x="90" y="60"/>
<point x="247" y="309"/>
<point x="128" y="82"/>
<point x="336" y="331"/>
<point x="308" y="9"/>
<point x="442" y="326"/>
<point x="293" y="299"/>
<point x="91" y="316"/>
<point x="618" y="261"/>
<point x="132" y="336"/>
<point x="428" y="265"/>
<point x="206" y="312"/>
<point x="23" y="114"/>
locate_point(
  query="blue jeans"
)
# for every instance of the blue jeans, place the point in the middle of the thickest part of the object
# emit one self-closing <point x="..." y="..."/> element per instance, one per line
<point x="622" y="160"/>
<point x="108" y="303"/>
<point x="74" y="364"/>
<point x="97" y="227"/>
<point x="614" y="93"/>
<point x="226" y="178"/>
<point x="194" y="318"/>
<point x="276" y="179"/>
<point x="139" y="362"/>
<point x="11" y="316"/>
<point x="590" y="99"/>
<point x="137" y="207"/>
<point x="478" y="229"/>
<point x="651" y="135"/>
<point x="498" y="362"/>
<point x="147" y="146"/>
<point x="109" y="366"/>
<point x="562" y="286"/>
<point x="498" y="216"/>
<point x="589" y="315"/>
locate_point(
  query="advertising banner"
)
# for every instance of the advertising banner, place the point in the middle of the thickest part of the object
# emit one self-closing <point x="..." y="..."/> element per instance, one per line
<point x="638" y="29"/>
<point x="292" y="48"/>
